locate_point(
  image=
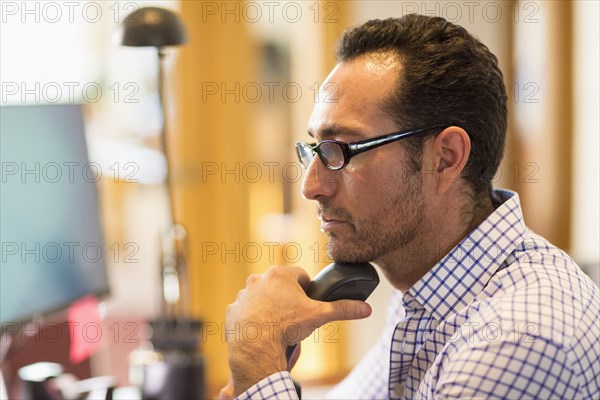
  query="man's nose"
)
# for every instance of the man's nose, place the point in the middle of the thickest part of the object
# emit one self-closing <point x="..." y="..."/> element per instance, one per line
<point x="318" y="180"/>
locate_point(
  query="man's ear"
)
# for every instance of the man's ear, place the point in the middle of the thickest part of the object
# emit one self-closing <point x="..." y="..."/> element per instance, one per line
<point x="450" y="149"/>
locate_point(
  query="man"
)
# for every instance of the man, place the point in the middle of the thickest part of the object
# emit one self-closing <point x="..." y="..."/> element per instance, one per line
<point x="483" y="307"/>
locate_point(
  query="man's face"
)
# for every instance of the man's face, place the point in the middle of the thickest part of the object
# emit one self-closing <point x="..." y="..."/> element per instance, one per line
<point x="374" y="205"/>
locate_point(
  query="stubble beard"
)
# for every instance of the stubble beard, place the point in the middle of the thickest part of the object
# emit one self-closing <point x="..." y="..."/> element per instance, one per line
<point x="392" y="226"/>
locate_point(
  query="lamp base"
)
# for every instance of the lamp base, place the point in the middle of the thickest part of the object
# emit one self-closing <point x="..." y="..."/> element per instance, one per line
<point x="180" y="335"/>
<point x="179" y="376"/>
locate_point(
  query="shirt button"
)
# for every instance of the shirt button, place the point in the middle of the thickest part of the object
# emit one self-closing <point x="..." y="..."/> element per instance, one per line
<point x="398" y="390"/>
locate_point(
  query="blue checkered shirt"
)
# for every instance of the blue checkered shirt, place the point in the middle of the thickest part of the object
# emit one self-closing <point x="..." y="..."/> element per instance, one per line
<point x="505" y="314"/>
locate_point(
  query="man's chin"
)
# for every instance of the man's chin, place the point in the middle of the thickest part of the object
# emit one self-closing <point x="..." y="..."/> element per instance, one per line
<point x="344" y="252"/>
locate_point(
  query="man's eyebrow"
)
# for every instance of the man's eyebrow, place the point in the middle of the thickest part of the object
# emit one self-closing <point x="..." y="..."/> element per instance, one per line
<point x="333" y="131"/>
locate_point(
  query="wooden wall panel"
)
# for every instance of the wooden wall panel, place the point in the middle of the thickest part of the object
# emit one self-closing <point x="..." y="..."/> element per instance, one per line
<point x="209" y="143"/>
<point x="544" y="125"/>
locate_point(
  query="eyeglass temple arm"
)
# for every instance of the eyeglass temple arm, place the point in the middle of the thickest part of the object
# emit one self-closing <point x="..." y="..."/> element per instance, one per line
<point x="364" y="145"/>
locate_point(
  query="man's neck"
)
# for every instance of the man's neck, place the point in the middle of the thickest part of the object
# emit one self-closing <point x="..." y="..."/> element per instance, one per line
<point x="405" y="266"/>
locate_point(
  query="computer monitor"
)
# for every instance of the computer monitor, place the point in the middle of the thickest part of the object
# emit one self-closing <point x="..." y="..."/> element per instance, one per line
<point x="52" y="247"/>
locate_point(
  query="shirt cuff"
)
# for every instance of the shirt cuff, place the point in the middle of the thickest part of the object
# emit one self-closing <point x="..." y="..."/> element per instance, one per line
<point x="276" y="386"/>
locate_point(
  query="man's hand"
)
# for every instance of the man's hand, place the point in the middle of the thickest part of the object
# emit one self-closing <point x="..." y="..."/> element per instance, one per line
<point x="228" y="391"/>
<point x="271" y="313"/>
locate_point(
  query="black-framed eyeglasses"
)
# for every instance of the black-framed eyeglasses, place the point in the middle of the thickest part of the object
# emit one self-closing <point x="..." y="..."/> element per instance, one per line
<point x="336" y="155"/>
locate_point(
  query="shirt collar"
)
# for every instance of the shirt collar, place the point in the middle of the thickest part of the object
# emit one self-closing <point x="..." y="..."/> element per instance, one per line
<point x="463" y="273"/>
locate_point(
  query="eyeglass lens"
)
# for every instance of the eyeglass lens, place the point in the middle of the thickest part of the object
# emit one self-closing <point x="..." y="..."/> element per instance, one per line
<point x="332" y="154"/>
<point x="304" y="153"/>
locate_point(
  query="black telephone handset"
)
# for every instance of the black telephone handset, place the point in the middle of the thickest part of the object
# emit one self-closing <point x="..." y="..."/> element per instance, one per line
<point x="340" y="281"/>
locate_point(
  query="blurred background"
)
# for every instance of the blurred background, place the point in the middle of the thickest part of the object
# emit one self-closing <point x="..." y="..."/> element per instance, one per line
<point x="239" y="93"/>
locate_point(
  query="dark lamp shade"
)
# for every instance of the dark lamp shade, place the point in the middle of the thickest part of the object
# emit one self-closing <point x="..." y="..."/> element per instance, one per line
<point x="153" y="26"/>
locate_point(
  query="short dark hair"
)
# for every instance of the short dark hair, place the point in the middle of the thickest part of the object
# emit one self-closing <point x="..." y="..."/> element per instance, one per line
<point x="447" y="78"/>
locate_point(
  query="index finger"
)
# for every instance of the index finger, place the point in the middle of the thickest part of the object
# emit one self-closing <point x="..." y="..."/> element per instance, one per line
<point x="299" y="274"/>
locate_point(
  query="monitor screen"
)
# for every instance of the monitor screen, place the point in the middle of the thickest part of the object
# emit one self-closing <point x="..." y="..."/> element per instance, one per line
<point x="52" y="247"/>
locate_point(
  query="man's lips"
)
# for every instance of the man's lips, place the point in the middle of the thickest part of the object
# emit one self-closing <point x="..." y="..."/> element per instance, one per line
<point x="330" y="223"/>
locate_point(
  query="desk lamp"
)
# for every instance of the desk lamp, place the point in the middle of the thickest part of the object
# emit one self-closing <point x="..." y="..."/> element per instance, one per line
<point x="176" y="333"/>
<point x="159" y="28"/>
